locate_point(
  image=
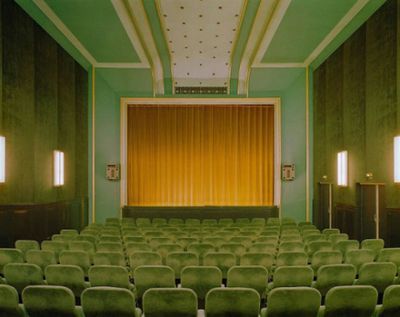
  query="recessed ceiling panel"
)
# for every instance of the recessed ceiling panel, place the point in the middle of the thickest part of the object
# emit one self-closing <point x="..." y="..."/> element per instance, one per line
<point x="201" y="36"/>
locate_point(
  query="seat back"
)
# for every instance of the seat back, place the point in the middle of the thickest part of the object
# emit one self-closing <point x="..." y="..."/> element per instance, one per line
<point x="137" y="259"/>
<point x="21" y="275"/>
<point x="108" y="301"/>
<point x="237" y="249"/>
<point x="336" y="237"/>
<point x="26" y="245"/>
<point x="232" y="302"/>
<point x="328" y="232"/>
<point x="316" y="246"/>
<point x="42" y="258"/>
<point x="324" y="258"/>
<point x="201" y="279"/>
<point x="109" y="246"/>
<point x="132" y="247"/>
<point x="177" y="302"/>
<point x="79" y="258"/>
<point x="258" y="258"/>
<point x="166" y="248"/>
<point x="109" y="258"/>
<point x="255" y="277"/>
<point x="264" y="247"/>
<point x="329" y="276"/>
<point x="359" y="257"/>
<point x="350" y="301"/>
<point x="391" y="304"/>
<point x="179" y="260"/>
<point x="201" y="249"/>
<point x="143" y="222"/>
<point x="375" y="245"/>
<point x="9" y="255"/>
<point x="9" y="302"/>
<point x="153" y="276"/>
<point x="346" y="245"/>
<point x="85" y="246"/>
<point x="292" y="276"/>
<point x="109" y="275"/>
<point x="291" y="246"/>
<point x="70" y="276"/>
<point x="389" y="255"/>
<point x="223" y="260"/>
<point x="380" y="275"/>
<point x="291" y="258"/>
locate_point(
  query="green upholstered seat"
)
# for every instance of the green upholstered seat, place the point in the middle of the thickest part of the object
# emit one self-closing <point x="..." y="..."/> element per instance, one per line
<point x="109" y="238"/>
<point x="201" y="249"/>
<point x="292" y="276"/>
<point x="313" y="238"/>
<point x="291" y="258"/>
<point x="185" y="241"/>
<point x="168" y="302"/>
<point x="225" y="221"/>
<point x="84" y="246"/>
<point x="336" y="237"/>
<point x="155" y="233"/>
<point x="223" y="260"/>
<point x="293" y="302"/>
<point x="9" y="255"/>
<point x="209" y="222"/>
<point x="264" y="247"/>
<point x="304" y="223"/>
<point x="166" y="248"/>
<point x="273" y="221"/>
<point x="153" y="276"/>
<point x="62" y="238"/>
<point x="133" y="247"/>
<point x="216" y="241"/>
<point x="258" y="258"/>
<point x="70" y="276"/>
<point x="155" y="242"/>
<point x="375" y="245"/>
<point x="86" y="237"/>
<point x="56" y="246"/>
<point x="134" y="239"/>
<point x="346" y="245"/>
<point x="316" y="246"/>
<point x="127" y="220"/>
<point x="196" y="234"/>
<point x="192" y="222"/>
<point x="242" y="221"/>
<point x="201" y="279"/>
<point x="391" y="304"/>
<point x="158" y="222"/>
<point x="244" y="240"/>
<point x="9" y="306"/>
<point x="109" y="302"/>
<point x="307" y="227"/>
<point x="140" y="258"/>
<point x="175" y="221"/>
<point x="111" y="231"/>
<point x="143" y="222"/>
<point x="109" y="258"/>
<point x="328" y="231"/>
<point x="389" y="255"/>
<point x="258" y="222"/>
<point x="69" y="232"/>
<point x="329" y="276"/>
<point x="237" y="249"/>
<point x="79" y="258"/>
<point x="380" y="275"/>
<point x="288" y="220"/>
<point x="350" y="301"/>
<point x="42" y="258"/>
<point x="26" y="245"/>
<point x="109" y="246"/>
<point x="179" y="260"/>
<point x="21" y="275"/>
<point x="274" y="233"/>
<point x="112" y="220"/>
<point x="290" y="231"/>
<point x="254" y="276"/>
<point x="232" y="230"/>
<point x="232" y="302"/>
<point x="49" y="301"/>
<point x="359" y="257"/>
<point x="110" y="275"/>
<point x="295" y="246"/>
<point x="324" y="258"/>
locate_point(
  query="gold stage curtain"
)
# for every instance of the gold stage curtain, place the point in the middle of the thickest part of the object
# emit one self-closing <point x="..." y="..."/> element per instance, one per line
<point x="199" y="155"/>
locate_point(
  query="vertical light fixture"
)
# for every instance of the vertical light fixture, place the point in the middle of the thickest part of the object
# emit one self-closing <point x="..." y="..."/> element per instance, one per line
<point x="342" y="168"/>
<point x="58" y="168"/>
<point x="2" y="159"/>
<point x="397" y="159"/>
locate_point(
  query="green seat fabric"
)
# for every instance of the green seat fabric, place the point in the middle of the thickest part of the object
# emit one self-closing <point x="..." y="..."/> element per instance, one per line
<point x="329" y="276"/>
<point x="9" y="306"/>
<point x="109" y="275"/>
<point x="21" y="275"/>
<point x="168" y="302"/>
<point x="346" y="245"/>
<point x="359" y="257"/>
<point x="109" y="247"/>
<point x="209" y="222"/>
<point x="109" y="302"/>
<point x="389" y="255"/>
<point x="112" y="220"/>
<point x="216" y="241"/>
<point x="375" y="245"/>
<point x="155" y="242"/>
<point x="143" y="222"/>
<point x="9" y="255"/>
<point x="109" y="258"/>
<point x="85" y="246"/>
<point x="56" y="246"/>
<point x="79" y="258"/>
<point x="324" y="258"/>
<point x="223" y="260"/>
<point x="201" y="249"/>
<point x="201" y="279"/>
<point x="255" y="277"/>
<point x="391" y="304"/>
<point x="109" y="238"/>
<point x="264" y="247"/>
<point x="225" y="221"/>
<point x="237" y="249"/>
<point x="380" y="275"/>
<point x="186" y="241"/>
<point x="246" y="241"/>
<point x="179" y="260"/>
<point x="86" y="237"/>
<point x="291" y="238"/>
<point x="258" y="258"/>
<point x="26" y="245"/>
<point x="165" y="249"/>
<point x="153" y="276"/>
<point x="192" y="222"/>
<point x="132" y="247"/>
<point x="293" y="302"/>
<point x="292" y="246"/>
<point x="232" y="302"/>
<point x="258" y="222"/>
<point x="42" y="258"/>
<point x="350" y="301"/>
<point x="316" y="246"/>
<point x="328" y="232"/>
<point x="49" y="301"/>
<point x="175" y="221"/>
<point x="137" y="259"/>
<point x="159" y="222"/>
<point x="291" y="258"/>
<point x="69" y="232"/>
<point x="336" y="237"/>
<point x="70" y="276"/>
<point x="292" y="276"/>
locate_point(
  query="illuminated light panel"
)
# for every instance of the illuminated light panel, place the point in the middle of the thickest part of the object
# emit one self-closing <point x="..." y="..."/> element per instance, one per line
<point x="58" y="168"/>
<point x="397" y="159"/>
<point x="2" y="159"/>
<point x="342" y="168"/>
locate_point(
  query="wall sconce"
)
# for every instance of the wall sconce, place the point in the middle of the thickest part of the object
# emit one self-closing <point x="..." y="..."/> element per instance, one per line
<point x="2" y="159"/>
<point x="397" y="159"/>
<point x="342" y="168"/>
<point x="58" y="168"/>
<point x="369" y="176"/>
<point x="324" y="178"/>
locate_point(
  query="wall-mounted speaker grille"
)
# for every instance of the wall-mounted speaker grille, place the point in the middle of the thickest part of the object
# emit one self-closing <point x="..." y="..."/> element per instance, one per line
<point x="201" y="90"/>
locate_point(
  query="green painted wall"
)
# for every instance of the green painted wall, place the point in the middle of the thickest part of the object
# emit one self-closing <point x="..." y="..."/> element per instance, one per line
<point x="356" y="106"/>
<point x="43" y="108"/>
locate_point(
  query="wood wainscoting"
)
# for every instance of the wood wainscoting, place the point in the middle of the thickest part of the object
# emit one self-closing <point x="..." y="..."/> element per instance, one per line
<point x="346" y="218"/>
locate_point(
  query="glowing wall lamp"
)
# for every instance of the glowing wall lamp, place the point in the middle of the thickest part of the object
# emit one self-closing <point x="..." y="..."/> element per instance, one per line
<point x="2" y="159"/>
<point x="397" y="159"/>
<point x="58" y="168"/>
<point x="342" y="168"/>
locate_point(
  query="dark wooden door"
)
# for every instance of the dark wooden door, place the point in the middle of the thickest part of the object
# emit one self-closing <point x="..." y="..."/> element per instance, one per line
<point x="321" y="212"/>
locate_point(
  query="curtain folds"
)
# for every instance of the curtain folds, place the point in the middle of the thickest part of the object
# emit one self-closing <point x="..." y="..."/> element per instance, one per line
<point x="197" y="155"/>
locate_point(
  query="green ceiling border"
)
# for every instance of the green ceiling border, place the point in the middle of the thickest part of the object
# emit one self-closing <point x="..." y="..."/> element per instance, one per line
<point x="241" y="41"/>
<point x="30" y="8"/>
<point x="162" y="47"/>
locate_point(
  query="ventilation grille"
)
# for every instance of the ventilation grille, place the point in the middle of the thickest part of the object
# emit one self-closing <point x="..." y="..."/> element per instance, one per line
<point x="201" y="90"/>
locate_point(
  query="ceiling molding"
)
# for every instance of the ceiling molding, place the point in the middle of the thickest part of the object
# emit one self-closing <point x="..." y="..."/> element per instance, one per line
<point x="355" y="9"/>
<point x="279" y="65"/>
<point x="43" y="6"/>
<point x="263" y="16"/>
<point x="121" y="65"/>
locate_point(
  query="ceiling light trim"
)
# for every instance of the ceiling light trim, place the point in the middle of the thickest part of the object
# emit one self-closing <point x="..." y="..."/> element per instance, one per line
<point x="279" y="65"/>
<point x="123" y="65"/>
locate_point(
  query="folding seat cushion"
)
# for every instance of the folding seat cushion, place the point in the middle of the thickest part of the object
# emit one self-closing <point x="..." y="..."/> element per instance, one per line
<point x="236" y="248"/>
<point x="328" y="232"/>
<point x="350" y="301"/>
<point x="133" y="247"/>
<point x="41" y="258"/>
<point x="223" y="260"/>
<point x="242" y="221"/>
<point x="346" y="245"/>
<point x="329" y="276"/>
<point x="201" y="279"/>
<point x="201" y="249"/>
<point x="315" y="246"/>
<point x="157" y="222"/>
<point x="291" y="258"/>
<point x="391" y="304"/>
<point x="26" y="245"/>
<point x="375" y="245"/>
<point x="293" y="302"/>
<point x="143" y="222"/>
<point x="153" y="276"/>
<point x="166" y="248"/>
<point x="70" y="276"/>
<point x="69" y="232"/>
<point x="273" y="221"/>
<point x="86" y="237"/>
<point x="21" y="275"/>
<point x="225" y="221"/>
<point x="255" y="277"/>
<point x="291" y="247"/>
<point x="389" y="255"/>
<point x="155" y="242"/>
<point x="245" y="241"/>
<point x="324" y="258"/>
<point x="109" y="246"/>
<point x="79" y="258"/>
<point x="109" y="258"/>
<point x="110" y="275"/>
<point x="9" y="306"/>
<point x="192" y="222"/>
<point x="336" y="237"/>
<point x="232" y="302"/>
<point x="359" y="257"/>
<point x="140" y="258"/>
<point x="186" y="241"/>
<point x="380" y="275"/>
<point x="216" y="241"/>
<point x="263" y="247"/>
<point x="292" y="276"/>
<point x="166" y="302"/>
<point x="179" y="260"/>
<point x="9" y="255"/>
<point x="56" y="246"/>
<point x="258" y="222"/>
<point x="258" y="258"/>
<point x="49" y="301"/>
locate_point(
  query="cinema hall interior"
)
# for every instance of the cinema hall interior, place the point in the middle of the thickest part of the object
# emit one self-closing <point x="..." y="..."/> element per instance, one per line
<point x="199" y="158"/>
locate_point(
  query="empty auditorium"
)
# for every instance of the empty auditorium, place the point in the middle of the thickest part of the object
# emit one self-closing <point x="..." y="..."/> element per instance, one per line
<point x="199" y="158"/>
